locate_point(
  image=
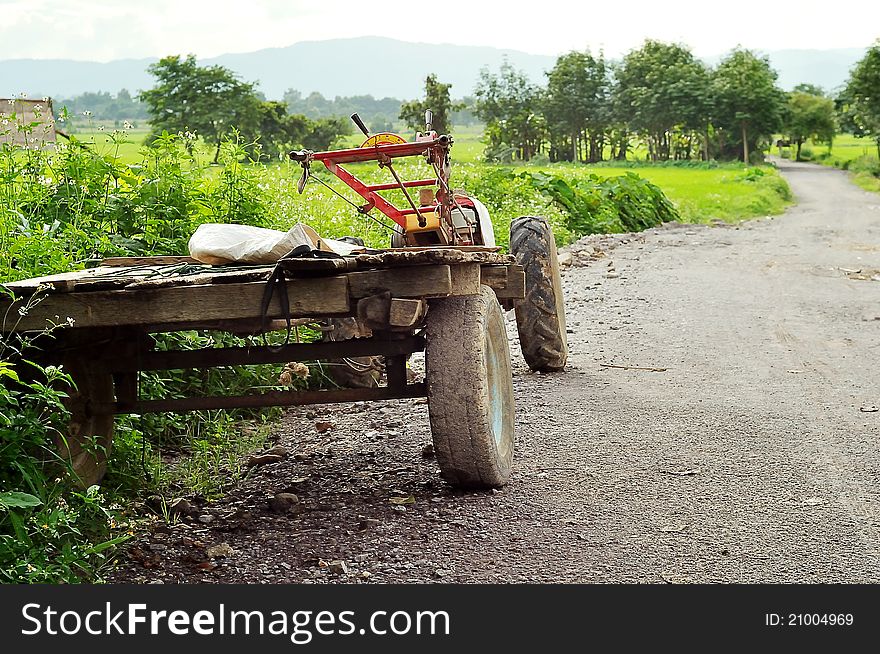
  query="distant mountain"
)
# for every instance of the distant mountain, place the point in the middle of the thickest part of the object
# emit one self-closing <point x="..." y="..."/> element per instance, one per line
<point x="359" y="66"/>
<point x="368" y="65"/>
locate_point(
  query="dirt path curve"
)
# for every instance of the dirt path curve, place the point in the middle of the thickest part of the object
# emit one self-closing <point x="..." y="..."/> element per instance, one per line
<point x="749" y="459"/>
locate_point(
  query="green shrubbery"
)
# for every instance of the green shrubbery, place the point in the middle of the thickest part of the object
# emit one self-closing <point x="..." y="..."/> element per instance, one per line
<point x="49" y="530"/>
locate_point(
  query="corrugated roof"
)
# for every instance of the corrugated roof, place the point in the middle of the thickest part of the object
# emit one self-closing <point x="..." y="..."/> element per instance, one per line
<point x="27" y="123"/>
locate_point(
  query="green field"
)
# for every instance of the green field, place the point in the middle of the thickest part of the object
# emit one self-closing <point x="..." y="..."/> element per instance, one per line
<point x="701" y="194"/>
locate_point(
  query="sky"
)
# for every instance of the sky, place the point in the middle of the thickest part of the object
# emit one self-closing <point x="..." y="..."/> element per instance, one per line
<point x="103" y="30"/>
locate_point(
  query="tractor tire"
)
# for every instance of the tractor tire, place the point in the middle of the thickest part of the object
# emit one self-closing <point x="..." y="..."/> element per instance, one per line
<point x="540" y="316"/>
<point x="470" y="390"/>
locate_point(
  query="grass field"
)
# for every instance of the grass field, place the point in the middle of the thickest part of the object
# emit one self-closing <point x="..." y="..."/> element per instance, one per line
<point x="730" y="192"/>
<point x="727" y="192"/>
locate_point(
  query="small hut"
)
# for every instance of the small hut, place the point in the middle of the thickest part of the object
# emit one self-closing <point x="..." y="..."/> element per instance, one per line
<point x="28" y="123"/>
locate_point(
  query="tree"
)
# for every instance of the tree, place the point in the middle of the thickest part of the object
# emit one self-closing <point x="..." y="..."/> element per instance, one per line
<point x="861" y="96"/>
<point x="207" y="100"/>
<point x="809" y="116"/>
<point x="576" y="107"/>
<point x="508" y="103"/>
<point x="748" y="101"/>
<point x="663" y="90"/>
<point x="809" y="89"/>
<point x="279" y="131"/>
<point x="437" y="100"/>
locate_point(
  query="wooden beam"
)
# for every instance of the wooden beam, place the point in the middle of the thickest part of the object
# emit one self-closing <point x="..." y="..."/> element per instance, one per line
<point x="413" y="282"/>
<point x="317" y="297"/>
<point x="120" y="262"/>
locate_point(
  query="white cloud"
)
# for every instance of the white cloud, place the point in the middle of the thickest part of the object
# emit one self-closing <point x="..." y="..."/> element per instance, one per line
<point x="103" y="29"/>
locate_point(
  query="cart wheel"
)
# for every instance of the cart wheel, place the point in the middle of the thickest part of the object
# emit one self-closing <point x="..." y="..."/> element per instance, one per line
<point x="540" y="316"/>
<point x="89" y="439"/>
<point x="470" y="391"/>
<point x="398" y="240"/>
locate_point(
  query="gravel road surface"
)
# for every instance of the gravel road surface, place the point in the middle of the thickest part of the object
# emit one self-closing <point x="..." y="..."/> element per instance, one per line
<point x="747" y="451"/>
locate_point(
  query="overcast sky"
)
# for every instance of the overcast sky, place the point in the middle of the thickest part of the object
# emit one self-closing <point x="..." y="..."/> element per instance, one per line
<point x="101" y="30"/>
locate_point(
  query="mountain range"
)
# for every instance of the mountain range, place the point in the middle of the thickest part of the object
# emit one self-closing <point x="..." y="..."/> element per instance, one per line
<point x="377" y="66"/>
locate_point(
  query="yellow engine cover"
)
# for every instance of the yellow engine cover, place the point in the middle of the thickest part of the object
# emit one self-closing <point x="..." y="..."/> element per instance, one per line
<point x="432" y="222"/>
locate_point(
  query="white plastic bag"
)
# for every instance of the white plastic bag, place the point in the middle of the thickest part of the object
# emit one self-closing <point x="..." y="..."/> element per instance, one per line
<point x="219" y="243"/>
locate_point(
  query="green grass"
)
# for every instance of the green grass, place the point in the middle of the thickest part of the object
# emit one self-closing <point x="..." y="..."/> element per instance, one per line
<point x="729" y="192"/>
<point x="846" y="147"/>
<point x="701" y="194"/>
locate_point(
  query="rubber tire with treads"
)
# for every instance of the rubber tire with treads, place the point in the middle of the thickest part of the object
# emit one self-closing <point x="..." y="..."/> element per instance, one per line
<point x="88" y="443"/>
<point x="540" y="316"/>
<point x="470" y="390"/>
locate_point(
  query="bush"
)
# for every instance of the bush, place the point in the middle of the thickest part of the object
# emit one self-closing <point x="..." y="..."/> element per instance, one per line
<point x="49" y="530"/>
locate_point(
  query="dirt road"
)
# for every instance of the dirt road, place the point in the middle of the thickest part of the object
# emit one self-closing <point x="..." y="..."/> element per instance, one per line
<point x="752" y="456"/>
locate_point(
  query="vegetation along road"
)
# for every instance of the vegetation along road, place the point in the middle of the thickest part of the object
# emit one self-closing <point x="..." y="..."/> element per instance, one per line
<point x="718" y="423"/>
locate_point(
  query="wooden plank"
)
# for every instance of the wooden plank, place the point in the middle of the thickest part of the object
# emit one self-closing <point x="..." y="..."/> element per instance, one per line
<point x="272" y="398"/>
<point x="406" y="313"/>
<point x="60" y="282"/>
<point x="182" y="304"/>
<point x="107" y="278"/>
<point x="117" y="262"/>
<point x="414" y="282"/>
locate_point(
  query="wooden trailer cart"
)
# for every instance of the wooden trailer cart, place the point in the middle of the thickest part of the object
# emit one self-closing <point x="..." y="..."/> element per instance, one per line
<point x="444" y="301"/>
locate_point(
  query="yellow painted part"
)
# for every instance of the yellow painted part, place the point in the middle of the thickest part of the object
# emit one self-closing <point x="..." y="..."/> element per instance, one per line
<point x="383" y="138"/>
<point x="432" y="222"/>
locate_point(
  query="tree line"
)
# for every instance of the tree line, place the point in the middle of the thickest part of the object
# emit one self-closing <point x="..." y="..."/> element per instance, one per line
<point x="662" y="96"/>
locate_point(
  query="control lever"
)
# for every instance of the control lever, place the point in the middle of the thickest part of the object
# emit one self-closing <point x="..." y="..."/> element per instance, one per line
<point x="357" y="121"/>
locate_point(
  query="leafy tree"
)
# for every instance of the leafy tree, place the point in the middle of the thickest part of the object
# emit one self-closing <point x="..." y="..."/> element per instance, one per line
<point x="508" y="103"/>
<point x="437" y="100"/>
<point x="576" y="107"/>
<point x="809" y="116"/>
<point x="861" y="96"/>
<point x="374" y="111"/>
<point x="663" y="88"/>
<point x="279" y="131"/>
<point x="809" y="89"/>
<point x="322" y="133"/>
<point x="207" y="100"/>
<point x="104" y="106"/>
<point x="748" y="101"/>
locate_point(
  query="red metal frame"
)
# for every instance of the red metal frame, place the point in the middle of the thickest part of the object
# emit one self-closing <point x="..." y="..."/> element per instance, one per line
<point x="434" y="148"/>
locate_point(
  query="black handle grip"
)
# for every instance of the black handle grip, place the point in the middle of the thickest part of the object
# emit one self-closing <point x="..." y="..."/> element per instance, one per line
<point x="300" y="155"/>
<point x="357" y="121"/>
